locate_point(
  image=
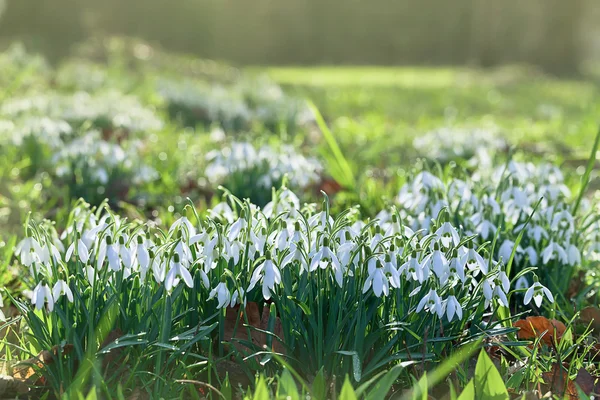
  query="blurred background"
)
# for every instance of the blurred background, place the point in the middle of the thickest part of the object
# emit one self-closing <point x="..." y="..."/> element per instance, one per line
<point x="556" y="35"/>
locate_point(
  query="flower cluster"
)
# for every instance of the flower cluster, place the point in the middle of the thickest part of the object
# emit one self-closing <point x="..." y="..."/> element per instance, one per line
<point x="93" y="168"/>
<point x="447" y="144"/>
<point x="503" y="207"/>
<point x="264" y="166"/>
<point x="235" y="255"/>
<point x="110" y="110"/>
<point x="234" y="107"/>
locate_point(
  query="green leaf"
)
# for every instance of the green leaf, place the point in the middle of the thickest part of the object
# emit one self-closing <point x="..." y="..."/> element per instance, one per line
<point x="347" y="392"/>
<point x="488" y="382"/>
<point x="286" y="387"/>
<point x="339" y="167"/>
<point x="469" y="392"/>
<point x="319" y="386"/>
<point x="261" y="392"/>
<point x="383" y="385"/>
<point x="226" y="388"/>
<point x="356" y="364"/>
<point x="585" y="179"/>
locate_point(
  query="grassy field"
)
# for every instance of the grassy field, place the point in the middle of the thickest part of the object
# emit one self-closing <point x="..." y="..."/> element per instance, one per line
<point x="380" y="110"/>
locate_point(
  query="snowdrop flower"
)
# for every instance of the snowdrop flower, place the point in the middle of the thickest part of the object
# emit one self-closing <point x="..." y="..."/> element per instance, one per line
<point x="537" y="233"/>
<point x="177" y="270"/>
<point x="532" y="254"/>
<point x="431" y="302"/>
<point x="554" y="251"/>
<point x="143" y="257"/>
<point x="453" y="308"/>
<point x="236" y="229"/>
<point x="537" y="292"/>
<point x="27" y="249"/>
<point x="222" y="293"/>
<point x="563" y="220"/>
<point x="506" y="249"/>
<point x="448" y="235"/>
<point x="82" y="251"/>
<point x="238" y="297"/>
<point x="378" y="277"/>
<point x="437" y="262"/>
<point x="485" y="229"/>
<point x="270" y="275"/>
<point x="491" y="289"/>
<point x="61" y="288"/>
<point x="573" y="255"/>
<point x="325" y="257"/>
<point x="412" y="269"/>
<point x="456" y="268"/>
<point x="474" y="262"/>
<point x="522" y="283"/>
<point x="42" y="294"/>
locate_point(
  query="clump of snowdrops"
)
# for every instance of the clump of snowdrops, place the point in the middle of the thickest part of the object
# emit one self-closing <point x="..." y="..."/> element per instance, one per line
<point x="353" y="296"/>
<point x="250" y="172"/>
<point x="525" y="208"/>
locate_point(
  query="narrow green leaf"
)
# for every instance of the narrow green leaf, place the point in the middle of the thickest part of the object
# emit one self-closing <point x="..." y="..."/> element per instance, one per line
<point x="347" y="392"/>
<point x="488" y="382"/>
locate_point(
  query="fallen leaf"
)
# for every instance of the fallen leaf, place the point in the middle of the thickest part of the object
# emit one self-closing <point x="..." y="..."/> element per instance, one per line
<point x="535" y="327"/>
<point x="11" y="387"/>
<point x="558" y="383"/>
<point x="591" y="315"/>
<point x="29" y="370"/>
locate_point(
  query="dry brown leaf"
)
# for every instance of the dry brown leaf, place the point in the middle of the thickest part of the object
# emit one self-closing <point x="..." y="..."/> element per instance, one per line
<point x="558" y="383"/>
<point x="29" y="370"/>
<point x="11" y="387"/>
<point x="535" y="327"/>
<point x="591" y="315"/>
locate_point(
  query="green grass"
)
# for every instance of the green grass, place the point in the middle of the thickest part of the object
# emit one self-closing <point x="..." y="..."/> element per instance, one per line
<point x="376" y="112"/>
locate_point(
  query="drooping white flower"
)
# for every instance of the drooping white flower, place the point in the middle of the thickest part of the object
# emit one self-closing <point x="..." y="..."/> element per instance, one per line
<point x="437" y="262"/>
<point x="431" y="302"/>
<point x="325" y="257"/>
<point x="380" y="276"/>
<point x="60" y="288"/>
<point x="554" y="251"/>
<point x="82" y="251"/>
<point x="573" y="255"/>
<point x="270" y="275"/>
<point x="447" y="235"/>
<point x="222" y="293"/>
<point x="537" y="292"/>
<point x="26" y="250"/>
<point x="474" y="261"/>
<point x="177" y="270"/>
<point x="453" y="308"/>
<point x="522" y="283"/>
<point x="41" y="295"/>
<point x="412" y="269"/>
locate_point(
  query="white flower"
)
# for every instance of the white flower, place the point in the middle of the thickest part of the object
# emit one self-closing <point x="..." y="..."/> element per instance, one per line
<point x="412" y="269"/>
<point x="474" y="262"/>
<point x="270" y="275"/>
<point x="378" y="277"/>
<point x="27" y="249"/>
<point x="532" y="254"/>
<point x="522" y="283"/>
<point x="506" y="249"/>
<point x="453" y="308"/>
<point x="222" y="294"/>
<point x="448" y="235"/>
<point x="82" y="251"/>
<point x="431" y="302"/>
<point x="537" y="292"/>
<point x="41" y="295"/>
<point x="437" y="262"/>
<point x="554" y="251"/>
<point x="325" y="257"/>
<point x="177" y="270"/>
<point x="573" y="255"/>
<point x="61" y="288"/>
